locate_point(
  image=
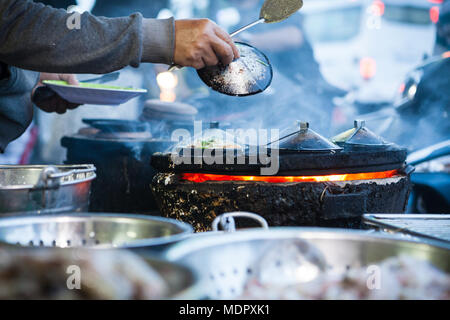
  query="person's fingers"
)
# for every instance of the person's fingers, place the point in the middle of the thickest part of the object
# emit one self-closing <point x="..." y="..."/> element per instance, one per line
<point x="222" y="34"/>
<point x="200" y="43"/>
<point x="223" y="50"/>
<point x="61" y="108"/>
<point x="209" y="57"/>
<point x="57" y="104"/>
<point x="72" y="106"/>
<point x="198" y="64"/>
<point x="64" y="105"/>
<point x="49" y="105"/>
<point x="45" y="108"/>
<point x="70" y="79"/>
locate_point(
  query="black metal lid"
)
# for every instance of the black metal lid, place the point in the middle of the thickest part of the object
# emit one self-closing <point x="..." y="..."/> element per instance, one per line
<point x="305" y="139"/>
<point x="299" y="163"/>
<point x="250" y="74"/>
<point x="303" y="152"/>
<point x="361" y="136"/>
<point x="117" y="125"/>
<point x="214" y="125"/>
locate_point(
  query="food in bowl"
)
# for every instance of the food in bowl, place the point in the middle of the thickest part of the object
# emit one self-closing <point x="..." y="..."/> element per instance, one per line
<point x="395" y="278"/>
<point x="77" y="274"/>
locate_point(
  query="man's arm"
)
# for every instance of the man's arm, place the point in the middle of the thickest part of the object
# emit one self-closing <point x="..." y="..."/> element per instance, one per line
<point x="37" y="37"/>
<point x="16" y="111"/>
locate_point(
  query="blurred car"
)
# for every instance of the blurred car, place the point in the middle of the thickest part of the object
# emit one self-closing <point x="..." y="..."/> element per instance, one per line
<point x="368" y="45"/>
<point x="419" y="121"/>
<point x="431" y="179"/>
<point x="421" y="104"/>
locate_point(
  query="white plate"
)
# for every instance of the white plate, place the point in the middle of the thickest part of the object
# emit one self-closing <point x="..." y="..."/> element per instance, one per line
<point x="100" y="94"/>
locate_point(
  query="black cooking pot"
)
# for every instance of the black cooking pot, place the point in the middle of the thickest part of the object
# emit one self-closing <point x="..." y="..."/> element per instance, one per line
<point x="115" y="125"/>
<point x="123" y="167"/>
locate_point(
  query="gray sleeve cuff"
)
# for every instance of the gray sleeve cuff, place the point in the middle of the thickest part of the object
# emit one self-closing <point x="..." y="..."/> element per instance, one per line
<point x="159" y="40"/>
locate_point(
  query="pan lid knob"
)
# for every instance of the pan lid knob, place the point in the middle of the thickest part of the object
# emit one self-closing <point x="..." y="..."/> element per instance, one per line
<point x="360" y="123"/>
<point x="214" y="125"/>
<point x="304" y="125"/>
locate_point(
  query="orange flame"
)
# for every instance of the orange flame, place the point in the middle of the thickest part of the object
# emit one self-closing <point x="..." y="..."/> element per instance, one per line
<point x="203" y="177"/>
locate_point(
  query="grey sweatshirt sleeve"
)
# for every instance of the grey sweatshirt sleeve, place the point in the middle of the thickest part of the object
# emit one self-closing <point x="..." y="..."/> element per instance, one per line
<point x="38" y="37"/>
<point x="16" y="110"/>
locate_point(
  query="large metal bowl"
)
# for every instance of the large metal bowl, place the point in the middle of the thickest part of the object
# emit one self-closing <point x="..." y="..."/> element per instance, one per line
<point x="45" y="189"/>
<point x="226" y="260"/>
<point x="93" y="230"/>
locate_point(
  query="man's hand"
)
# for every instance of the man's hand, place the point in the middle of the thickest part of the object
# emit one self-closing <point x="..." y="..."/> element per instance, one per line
<point x="54" y="103"/>
<point x="200" y="43"/>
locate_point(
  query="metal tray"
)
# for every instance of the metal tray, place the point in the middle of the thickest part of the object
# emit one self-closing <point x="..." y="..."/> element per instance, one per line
<point x="430" y="226"/>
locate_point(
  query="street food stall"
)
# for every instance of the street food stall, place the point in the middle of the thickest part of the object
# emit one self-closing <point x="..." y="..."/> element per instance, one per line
<point x="208" y="198"/>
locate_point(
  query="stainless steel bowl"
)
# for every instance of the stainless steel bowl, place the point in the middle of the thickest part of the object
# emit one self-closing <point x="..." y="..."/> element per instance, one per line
<point x="92" y="230"/>
<point x="45" y="189"/>
<point x="225" y="260"/>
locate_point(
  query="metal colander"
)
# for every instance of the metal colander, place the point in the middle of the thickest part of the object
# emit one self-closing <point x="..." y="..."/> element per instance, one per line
<point x="226" y="261"/>
<point x="92" y="230"/>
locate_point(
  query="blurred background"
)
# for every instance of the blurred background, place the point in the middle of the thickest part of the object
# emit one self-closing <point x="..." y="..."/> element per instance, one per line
<point x="334" y="61"/>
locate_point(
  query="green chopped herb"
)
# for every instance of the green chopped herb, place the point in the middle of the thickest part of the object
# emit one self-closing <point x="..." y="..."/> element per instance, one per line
<point x="89" y="85"/>
<point x="207" y="143"/>
<point x="262" y="62"/>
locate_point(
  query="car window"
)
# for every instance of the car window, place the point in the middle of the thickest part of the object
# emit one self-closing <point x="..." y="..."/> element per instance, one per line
<point x="333" y="25"/>
<point x="407" y="14"/>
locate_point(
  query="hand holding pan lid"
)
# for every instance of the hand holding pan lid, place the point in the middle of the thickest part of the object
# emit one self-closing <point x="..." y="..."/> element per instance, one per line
<point x="240" y="79"/>
<point x="272" y="11"/>
<point x="305" y="139"/>
<point x="359" y="135"/>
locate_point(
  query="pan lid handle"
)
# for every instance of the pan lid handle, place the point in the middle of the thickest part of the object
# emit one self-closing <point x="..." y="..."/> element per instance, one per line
<point x="227" y="222"/>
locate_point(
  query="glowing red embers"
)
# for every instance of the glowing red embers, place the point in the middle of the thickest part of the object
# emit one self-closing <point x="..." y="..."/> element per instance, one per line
<point x="204" y="177"/>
